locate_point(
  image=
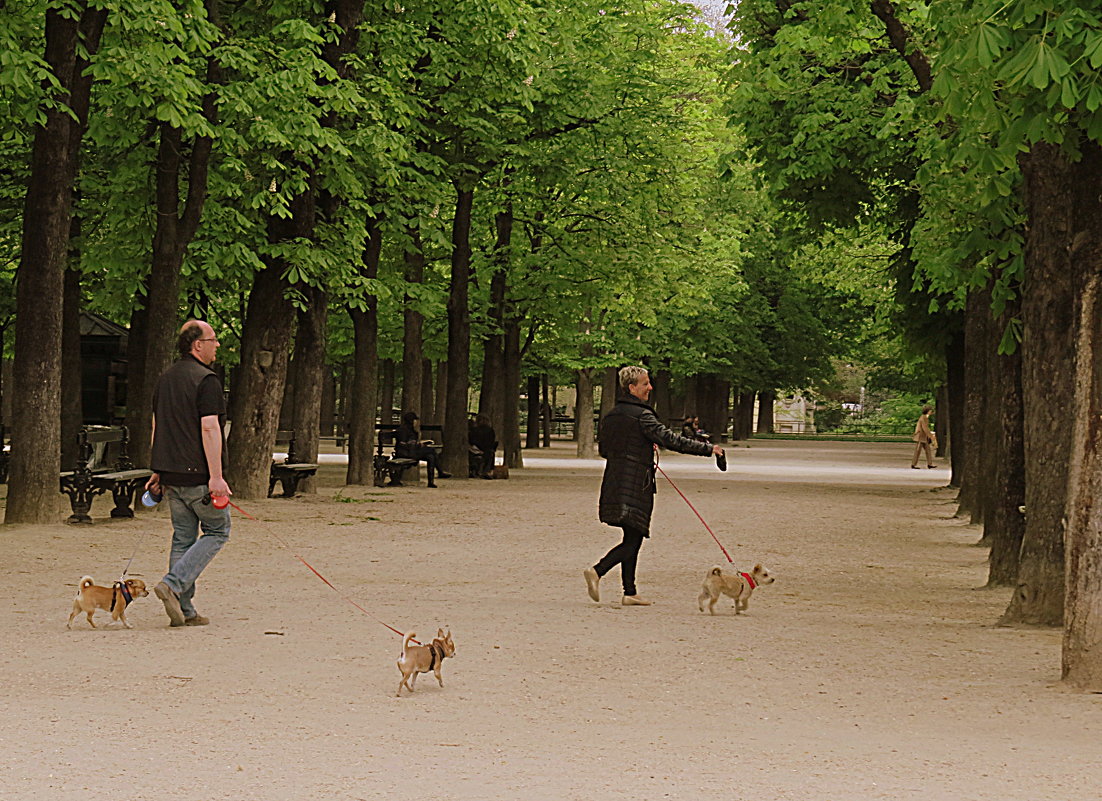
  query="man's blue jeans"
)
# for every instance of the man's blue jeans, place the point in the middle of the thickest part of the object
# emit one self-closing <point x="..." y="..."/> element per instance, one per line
<point x="191" y="552"/>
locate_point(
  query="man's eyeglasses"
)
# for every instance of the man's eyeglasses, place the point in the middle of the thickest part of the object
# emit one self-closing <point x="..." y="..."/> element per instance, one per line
<point x="208" y="339"/>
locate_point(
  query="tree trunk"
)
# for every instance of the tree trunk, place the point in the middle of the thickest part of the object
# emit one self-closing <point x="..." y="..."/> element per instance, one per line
<point x="308" y="367"/>
<point x="428" y="394"/>
<point x="583" y="414"/>
<point x="532" y="437"/>
<point x="456" y="443"/>
<point x="1054" y="189"/>
<point x="328" y="402"/>
<point x="1005" y="524"/>
<point x="386" y="393"/>
<point x="441" y="396"/>
<point x="941" y="421"/>
<point x="722" y="413"/>
<point x="609" y="384"/>
<point x="36" y="418"/>
<point x="661" y="395"/>
<point x="954" y="438"/>
<point x="412" y="332"/>
<point x="360" y="420"/>
<point x="1082" y="650"/>
<point x="491" y="401"/>
<point x="510" y="400"/>
<point x="72" y="414"/>
<point x="265" y="343"/>
<point x="766" y="399"/>
<point x="546" y="412"/>
<point x="969" y="502"/>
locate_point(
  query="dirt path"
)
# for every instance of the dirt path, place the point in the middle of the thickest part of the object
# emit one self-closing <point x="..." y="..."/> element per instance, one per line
<point x="869" y="670"/>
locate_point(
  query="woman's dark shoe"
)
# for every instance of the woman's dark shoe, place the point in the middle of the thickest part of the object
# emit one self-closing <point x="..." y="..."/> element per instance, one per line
<point x="442" y="474"/>
<point x="430" y="484"/>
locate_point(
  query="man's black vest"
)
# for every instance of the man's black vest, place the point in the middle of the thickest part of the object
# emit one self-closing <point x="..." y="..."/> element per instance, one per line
<point x="178" y="437"/>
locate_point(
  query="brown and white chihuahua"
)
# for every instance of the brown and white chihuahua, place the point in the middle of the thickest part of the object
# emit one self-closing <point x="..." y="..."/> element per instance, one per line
<point x="113" y="599"/>
<point x="737" y="585"/>
<point x="423" y="658"/>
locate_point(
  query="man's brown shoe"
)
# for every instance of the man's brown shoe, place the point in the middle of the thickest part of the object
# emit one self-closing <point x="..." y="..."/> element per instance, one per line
<point x="592" y="583"/>
<point x="198" y="620"/>
<point x="171" y="602"/>
<point x="634" y="600"/>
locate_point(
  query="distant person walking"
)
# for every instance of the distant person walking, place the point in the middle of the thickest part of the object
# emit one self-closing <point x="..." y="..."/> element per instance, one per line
<point x="629" y="434"/>
<point x="924" y="438"/>
<point x="188" y="412"/>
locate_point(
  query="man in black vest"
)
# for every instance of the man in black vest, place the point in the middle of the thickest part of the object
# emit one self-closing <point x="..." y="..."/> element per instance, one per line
<point x="188" y="411"/>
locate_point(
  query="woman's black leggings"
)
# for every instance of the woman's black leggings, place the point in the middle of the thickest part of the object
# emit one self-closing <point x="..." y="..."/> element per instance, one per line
<point x="626" y="554"/>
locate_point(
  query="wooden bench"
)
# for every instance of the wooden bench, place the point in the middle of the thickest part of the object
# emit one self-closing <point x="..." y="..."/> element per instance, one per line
<point x="84" y="483"/>
<point x="290" y="471"/>
<point x="391" y="465"/>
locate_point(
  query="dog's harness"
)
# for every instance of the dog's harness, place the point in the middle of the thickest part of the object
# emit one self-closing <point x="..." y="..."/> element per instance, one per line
<point x="749" y="579"/>
<point x="120" y="589"/>
<point x="432" y="650"/>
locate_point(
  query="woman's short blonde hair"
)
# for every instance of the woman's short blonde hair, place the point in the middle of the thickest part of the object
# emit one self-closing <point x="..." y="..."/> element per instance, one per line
<point x="630" y="375"/>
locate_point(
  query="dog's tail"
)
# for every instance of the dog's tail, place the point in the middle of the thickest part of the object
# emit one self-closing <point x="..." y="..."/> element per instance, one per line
<point x="86" y="581"/>
<point x="406" y="639"/>
<point x="716" y="571"/>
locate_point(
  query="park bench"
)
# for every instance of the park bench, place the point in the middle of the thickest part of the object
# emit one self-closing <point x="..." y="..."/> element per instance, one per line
<point x="391" y="465"/>
<point x="84" y="483"/>
<point x="290" y="471"/>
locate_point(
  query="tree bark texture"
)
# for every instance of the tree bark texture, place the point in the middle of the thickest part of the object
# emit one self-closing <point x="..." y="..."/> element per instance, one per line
<point x="1059" y="209"/>
<point x="456" y="443"/>
<point x="969" y="499"/>
<point x="1082" y="648"/>
<point x="386" y="392"/>
<point x="609" y="382"/>
<point x="954" y="436"/>
<point x="72" y="414"/>
<point x="36" y="430"/>
<point x="546" y="411"/>
<point x="766" y="399"/>
<point x="510" y="395"/>
<point x="412" y="331"/>
<point x="360" y="420"/>
<point x="1005" y="524"/>
<point x="441" y="395"/>
<point x="265" y="347"/>
<point x="583" y="414"/>
<point x="308" y="368"/>
<point x="532" y="436"/>
<point x="661" y="395"/>
<point x="428" y="394"/>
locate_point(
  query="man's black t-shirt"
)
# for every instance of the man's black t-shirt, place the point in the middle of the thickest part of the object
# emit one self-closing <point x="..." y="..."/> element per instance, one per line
<point x="185" y="445"/>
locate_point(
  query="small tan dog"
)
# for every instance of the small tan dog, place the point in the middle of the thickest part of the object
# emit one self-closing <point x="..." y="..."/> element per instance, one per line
<point x="111" y="599"/>
<point x="423" y="658"/>
<point x="735" y="585"/>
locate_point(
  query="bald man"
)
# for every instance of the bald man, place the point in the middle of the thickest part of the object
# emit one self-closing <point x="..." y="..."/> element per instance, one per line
<point x="188" y="413"/>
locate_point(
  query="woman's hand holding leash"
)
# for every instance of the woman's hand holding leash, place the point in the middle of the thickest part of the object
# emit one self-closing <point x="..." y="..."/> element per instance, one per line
<point x="721" y="457"/>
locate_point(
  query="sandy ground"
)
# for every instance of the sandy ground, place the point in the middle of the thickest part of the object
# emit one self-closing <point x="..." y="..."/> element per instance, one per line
<point x="870" y="669"/>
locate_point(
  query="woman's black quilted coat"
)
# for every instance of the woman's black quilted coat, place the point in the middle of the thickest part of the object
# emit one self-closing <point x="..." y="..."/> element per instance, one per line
<point x="627" y="438"/>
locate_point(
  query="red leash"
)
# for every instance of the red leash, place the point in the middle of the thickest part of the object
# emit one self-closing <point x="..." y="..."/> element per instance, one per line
<point x="316" y="573"/>
<point x="695" y="512"/>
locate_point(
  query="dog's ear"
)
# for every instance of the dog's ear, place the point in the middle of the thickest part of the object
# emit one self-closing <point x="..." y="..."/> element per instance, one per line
<point x="758" y="567"/>
<point x="440" y="633"/>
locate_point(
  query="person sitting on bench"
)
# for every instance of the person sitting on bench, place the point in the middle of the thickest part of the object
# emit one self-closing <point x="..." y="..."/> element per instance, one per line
<point x="483" y="439"/>
<point x="408" y="445"/>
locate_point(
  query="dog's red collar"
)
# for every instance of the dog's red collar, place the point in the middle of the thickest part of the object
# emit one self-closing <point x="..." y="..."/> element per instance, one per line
<point x="749" y="580"/>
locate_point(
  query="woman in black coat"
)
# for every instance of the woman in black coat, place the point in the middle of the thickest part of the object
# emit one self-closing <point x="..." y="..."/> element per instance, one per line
<point x="628" y="437"/>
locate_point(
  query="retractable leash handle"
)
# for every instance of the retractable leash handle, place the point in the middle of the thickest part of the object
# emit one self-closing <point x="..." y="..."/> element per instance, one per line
<point x="721" y="461"/>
